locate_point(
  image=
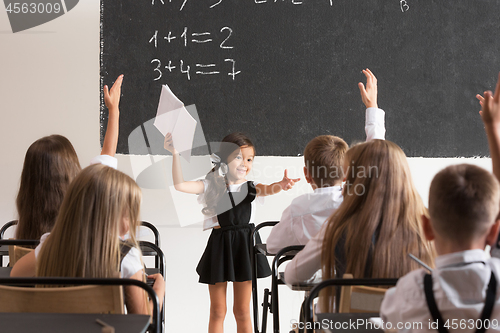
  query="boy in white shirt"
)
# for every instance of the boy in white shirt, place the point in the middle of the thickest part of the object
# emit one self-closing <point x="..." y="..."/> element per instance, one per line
<point x="463" y="208"/>
<point x="324" y="162"/>
<point x="302" y="220"/>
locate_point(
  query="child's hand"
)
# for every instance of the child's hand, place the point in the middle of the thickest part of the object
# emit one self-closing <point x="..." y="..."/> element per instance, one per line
<point x="287" y="183"/>
<point x="481" y="102"/>
<point x="158" y="285"/>
<point x="168" y="144"/>
<point x="490" y="106"/>
<point x="112" y="96"/>
<point x="369" y="95"/>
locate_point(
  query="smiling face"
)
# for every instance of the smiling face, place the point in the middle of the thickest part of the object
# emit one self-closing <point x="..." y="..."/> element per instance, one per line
<point x="239" y="164"/>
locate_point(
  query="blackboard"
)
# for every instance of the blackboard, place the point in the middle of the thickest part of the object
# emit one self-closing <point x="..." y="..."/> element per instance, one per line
<point x="284" y="71"/>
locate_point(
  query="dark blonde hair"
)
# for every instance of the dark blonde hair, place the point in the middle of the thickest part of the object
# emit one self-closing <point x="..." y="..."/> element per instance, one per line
<point x="84" y="241"/>
<point x="218" y="183"/>
<point x="380" y="204"/>
<point x="49" y="167"/>
<point x="464" y="201"/>
<point x="324" y="159"/>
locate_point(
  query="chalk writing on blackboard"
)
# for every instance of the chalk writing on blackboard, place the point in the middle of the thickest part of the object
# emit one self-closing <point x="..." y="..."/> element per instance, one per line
<point x="215" y="4"/>
<point x="187" y="37"/>
<point x="293" y="2"/>
<point x="218" y="2"/>
<point x="194" y="37"/>
<point x="201" y="68"/>
<point x="404" y="5"/>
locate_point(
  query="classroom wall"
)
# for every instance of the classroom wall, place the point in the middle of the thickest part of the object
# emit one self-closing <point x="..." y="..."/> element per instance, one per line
<point x="50" y="84"/>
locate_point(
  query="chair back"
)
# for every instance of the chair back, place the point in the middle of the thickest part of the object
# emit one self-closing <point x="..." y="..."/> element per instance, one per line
<point x="7" y="226"/>
<point x="360" y="298"/>
<point x="76" y="299"/>
<point x="16" y="252"/>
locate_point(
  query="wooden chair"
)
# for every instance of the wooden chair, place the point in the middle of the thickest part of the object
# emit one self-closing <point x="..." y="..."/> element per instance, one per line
<point x="79" y="299"/>
<point x="308" y="304"/>
<point x="37" y="299"/>
<point x="360" y="298"/>
<point x="16" y="252"/>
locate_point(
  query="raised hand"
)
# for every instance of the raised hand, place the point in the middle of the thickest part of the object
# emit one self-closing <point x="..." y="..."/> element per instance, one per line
<point x="369" y="94"/>
<point x="168" y="144"/>
<point x="287" y="183"/>
<point x="490" y="105"/>
<point x="112" y="96"/>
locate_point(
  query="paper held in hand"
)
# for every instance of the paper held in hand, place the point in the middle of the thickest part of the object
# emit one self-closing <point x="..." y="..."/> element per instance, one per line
<point x="172" y="117"/>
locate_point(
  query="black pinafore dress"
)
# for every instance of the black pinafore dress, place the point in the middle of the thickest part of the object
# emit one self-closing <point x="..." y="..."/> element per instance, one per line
<point x="227" y="255"/>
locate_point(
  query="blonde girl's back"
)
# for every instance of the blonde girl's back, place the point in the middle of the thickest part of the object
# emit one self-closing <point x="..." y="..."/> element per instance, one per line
<point x="49" y="167"/>
<point x="378" y="224"/>
<point x="85" y="239"/>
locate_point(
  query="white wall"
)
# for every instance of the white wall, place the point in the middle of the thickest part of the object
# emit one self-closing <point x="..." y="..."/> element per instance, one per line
<point x="50" y="84"/>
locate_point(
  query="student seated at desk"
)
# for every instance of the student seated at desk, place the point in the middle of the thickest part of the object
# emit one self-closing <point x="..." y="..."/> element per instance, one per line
<point x="49" y="167"/>
<point x="324" y="162"/>
<point x="463" y="208"/>
<point x="100" y="207"/>
<point x="375" y="227"/>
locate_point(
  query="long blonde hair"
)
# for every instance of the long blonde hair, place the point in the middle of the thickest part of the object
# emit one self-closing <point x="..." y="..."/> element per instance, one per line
<point x="84" y="241"/>
<point x="381" y="204"/>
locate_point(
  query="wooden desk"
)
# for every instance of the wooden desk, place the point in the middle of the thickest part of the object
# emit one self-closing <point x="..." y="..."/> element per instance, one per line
<point x="69" y="322"/>
<point x="347" y="322"/>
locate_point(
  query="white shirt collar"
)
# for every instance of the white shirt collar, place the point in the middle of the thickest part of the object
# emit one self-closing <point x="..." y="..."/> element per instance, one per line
<point x="455" y="258"/>
<point x="329" y="189"/>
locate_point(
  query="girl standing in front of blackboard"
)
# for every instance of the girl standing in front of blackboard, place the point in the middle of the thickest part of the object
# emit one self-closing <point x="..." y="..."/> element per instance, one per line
<point x="229" y="200"/>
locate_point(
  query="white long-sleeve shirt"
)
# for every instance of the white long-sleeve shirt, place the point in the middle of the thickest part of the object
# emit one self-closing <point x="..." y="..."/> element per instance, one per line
<point x="304" y="217"/>
<point x="308" y="261"/>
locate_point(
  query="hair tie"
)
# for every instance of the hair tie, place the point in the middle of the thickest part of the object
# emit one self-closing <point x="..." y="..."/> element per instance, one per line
<point x="215" y="159"/>
<point x="221" y="166"/>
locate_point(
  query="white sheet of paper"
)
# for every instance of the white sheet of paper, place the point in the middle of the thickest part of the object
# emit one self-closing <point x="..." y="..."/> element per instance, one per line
<point x="172" y="117"/>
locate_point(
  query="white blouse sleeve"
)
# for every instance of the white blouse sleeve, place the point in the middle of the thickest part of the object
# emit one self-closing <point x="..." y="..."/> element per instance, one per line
<point x="131" y="264"/>
<point x="307" y="262"/>
<point x="108" y="160"/>
<point x="375" y="124"/>
<point x="39" y="246"/>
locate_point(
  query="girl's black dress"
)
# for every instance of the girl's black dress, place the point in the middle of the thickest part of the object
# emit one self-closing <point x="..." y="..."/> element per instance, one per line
<point x="227" y="255"/>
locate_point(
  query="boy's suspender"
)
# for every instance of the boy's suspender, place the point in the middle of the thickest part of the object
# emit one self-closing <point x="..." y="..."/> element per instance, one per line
<point x="436" y="315"/>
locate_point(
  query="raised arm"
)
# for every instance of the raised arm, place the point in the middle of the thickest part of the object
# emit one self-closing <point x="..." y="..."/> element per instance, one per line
<point x="193" y="187"/>
<point x="285" y="184"/>
<point x="112" y="101"/>
<point x="490" y="113"/>
<point x="374" y="123"/>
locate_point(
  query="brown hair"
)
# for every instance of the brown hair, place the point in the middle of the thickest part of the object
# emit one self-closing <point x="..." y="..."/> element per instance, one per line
<point x="49" y="167"/>
<point x="381" y="203"/>
<point x="324" y="159"/>
<point x="464" y="201"/>
<point x="218" y="183"/>
<point x="84" y="241"/>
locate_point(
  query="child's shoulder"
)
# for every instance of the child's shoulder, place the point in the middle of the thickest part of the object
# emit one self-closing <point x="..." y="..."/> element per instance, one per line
<point x="411" y="285"/>
<point x="325" y="197"/>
